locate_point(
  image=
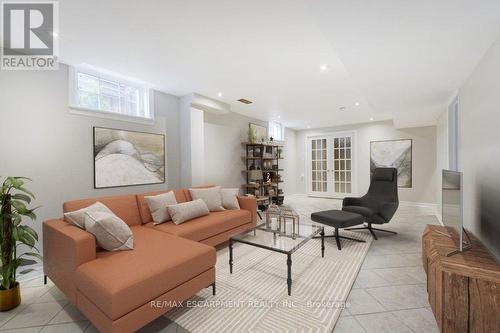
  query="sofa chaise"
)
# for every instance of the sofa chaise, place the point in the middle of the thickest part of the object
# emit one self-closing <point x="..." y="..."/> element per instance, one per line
<point x="117" y="291"/>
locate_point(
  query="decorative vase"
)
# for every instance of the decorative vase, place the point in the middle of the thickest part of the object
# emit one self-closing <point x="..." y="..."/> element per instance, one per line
<point x="11" y="298"/>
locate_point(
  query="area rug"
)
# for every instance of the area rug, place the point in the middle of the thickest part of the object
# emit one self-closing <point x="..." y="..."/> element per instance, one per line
<point x="254" y="298"/>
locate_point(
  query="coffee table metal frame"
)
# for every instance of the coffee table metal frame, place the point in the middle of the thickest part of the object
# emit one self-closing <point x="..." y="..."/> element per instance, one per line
<point x="320" y="230"/>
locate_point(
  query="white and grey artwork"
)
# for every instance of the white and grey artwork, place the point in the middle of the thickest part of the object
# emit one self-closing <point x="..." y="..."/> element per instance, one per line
<point x="124" y="158"/>
<point x="260" y="132"/>
<point x="394" y="154"/>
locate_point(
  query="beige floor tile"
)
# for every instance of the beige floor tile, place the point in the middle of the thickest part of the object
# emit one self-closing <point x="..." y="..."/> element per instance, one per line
<point x="34" y="315"/>
<point x="360" y="302"/>
<point x="68" y="314"/>
<point x="23" y="330"/>
<point x="384" y="322"/>
<point x="419" y="320"/>
<point x="53" y="294"/>
<point x="348" y="325"/>
<point x="400" y="297"/>
<point x="66" y="328"/>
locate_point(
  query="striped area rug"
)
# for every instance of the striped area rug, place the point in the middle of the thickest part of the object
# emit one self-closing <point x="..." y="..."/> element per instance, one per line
<point x="254" y="298"/>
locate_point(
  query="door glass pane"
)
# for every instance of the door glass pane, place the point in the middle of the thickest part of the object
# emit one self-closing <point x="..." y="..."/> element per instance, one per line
<point x="348" y="187"/>
<point x="342" y="153"/>
<point x="348" y="142"/>
<point x="336" y="143"/>
<point x="347" y="153"/>
<point x="336" y="156"/>
<point x="342" y="143"/>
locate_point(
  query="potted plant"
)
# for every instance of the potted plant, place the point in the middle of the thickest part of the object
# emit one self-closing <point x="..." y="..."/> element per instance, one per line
<point x="14" y="199"/>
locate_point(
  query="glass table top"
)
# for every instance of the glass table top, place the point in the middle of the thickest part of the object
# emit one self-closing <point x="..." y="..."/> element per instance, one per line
<point x="287" y="240"/>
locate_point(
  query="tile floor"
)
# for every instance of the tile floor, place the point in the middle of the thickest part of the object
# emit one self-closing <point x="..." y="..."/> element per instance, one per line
<point x="389" y="294"/>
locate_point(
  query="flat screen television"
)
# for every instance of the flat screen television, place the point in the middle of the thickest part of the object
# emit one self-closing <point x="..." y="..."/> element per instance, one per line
<point x="452" y="208"/>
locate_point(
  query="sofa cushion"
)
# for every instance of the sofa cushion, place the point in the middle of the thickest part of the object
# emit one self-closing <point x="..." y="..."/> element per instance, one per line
<point x="123" y="206"/>
<point x="110" y="231"/>
<point x="365" y="211"/>
<point x="211" y="196"/>
<point x="77" y="217"/>
<point x="180" y="196"/>
<point x="158" y="206"/>
<point x="230" y="198"/>
<point x="187" y="211"/>
<point x="206" y="226"/>
<point x="119" y="282"/>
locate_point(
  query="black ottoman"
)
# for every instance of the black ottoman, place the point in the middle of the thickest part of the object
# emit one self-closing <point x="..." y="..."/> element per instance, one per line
<point x="338" y="219"/>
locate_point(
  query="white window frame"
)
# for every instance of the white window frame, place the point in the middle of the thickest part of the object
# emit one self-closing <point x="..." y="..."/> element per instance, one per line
<point x="270" y="128"/>
<point x="146" y="97"/>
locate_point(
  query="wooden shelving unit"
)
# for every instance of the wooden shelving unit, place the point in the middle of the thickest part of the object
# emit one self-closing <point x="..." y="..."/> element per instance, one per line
<point x="266" y="158"/>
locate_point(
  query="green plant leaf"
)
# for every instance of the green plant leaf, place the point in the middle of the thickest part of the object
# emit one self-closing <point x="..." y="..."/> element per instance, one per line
<point x="27" y="271"/>
<point x="32" y="254"/>
<point x="23" y="197"/>
<point x="22" y="189"/>
<point x="25" y="262"/>
<point x="30" y="231"/>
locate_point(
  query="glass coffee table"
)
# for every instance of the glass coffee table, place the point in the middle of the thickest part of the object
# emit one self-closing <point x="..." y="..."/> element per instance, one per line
<point x="286" y="241"/>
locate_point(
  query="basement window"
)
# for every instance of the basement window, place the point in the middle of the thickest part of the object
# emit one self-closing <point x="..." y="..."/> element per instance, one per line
<point x="108" y="96"/>
<point x="276" y="131"/>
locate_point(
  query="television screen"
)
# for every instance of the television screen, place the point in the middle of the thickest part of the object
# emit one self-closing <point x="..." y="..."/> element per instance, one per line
<point x="452" y="205"/>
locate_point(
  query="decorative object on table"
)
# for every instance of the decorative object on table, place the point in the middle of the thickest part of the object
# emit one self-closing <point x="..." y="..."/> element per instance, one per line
<point x="14" y="198"/>
<point x="268" y="165"/>
<point x="393" y="154"/>
<point x="260" y="132"/>
<point x="289" y="214"/>
<point x="125" y="158"/>
<point x="251" y="135"/>
<point x="273" y="217"/>
<point x="256" y="152"/>
<point x="271" y="139"/>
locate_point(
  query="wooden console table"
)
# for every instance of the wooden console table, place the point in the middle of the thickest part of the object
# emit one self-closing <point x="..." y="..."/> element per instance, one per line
<point x="464" y="289"/>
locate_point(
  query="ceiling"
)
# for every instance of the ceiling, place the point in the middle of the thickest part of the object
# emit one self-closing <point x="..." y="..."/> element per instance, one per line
<point x="399" y="59"/>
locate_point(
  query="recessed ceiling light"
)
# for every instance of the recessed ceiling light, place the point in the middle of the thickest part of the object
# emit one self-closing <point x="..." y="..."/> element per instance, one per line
<point x="371" y="118"/>
<point x="279" y="117"/>
<point x="219" y="94"/>
<point x="356" y="104"/>
<point x="308" y="126"/>
<point x="323" y="68"/>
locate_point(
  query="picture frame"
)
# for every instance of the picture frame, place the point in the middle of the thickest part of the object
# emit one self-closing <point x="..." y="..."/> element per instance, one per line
<point x="394" y="153"/>
<point x="127" y="158"/>
<point x="259" y="131"/>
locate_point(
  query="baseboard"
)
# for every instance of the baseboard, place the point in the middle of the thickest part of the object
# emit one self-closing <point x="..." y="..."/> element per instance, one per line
<point x="418" y="204"/>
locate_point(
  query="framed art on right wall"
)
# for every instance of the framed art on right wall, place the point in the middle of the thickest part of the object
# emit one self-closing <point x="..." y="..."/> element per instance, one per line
<point x="394" y="154"/>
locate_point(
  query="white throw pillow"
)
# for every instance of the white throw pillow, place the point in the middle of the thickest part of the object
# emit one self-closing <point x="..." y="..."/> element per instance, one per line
<point x="211" y="196"/>
<point x="186" y="211"/>
<point x="230" y="198"/>
<point x="110" y="231"/>
<point x="77" y="217"/>
<point x="158" y="206"/>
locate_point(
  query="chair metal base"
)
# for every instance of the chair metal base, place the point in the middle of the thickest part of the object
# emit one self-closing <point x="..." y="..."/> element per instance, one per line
<point x="370" y="228"/>
<point x="338" y="237"/>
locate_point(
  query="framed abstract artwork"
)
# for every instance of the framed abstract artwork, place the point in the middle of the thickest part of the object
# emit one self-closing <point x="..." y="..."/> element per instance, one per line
<point x="259" y="131"/>
<point x="126" y="158"/>
<point x="395" y="154"/>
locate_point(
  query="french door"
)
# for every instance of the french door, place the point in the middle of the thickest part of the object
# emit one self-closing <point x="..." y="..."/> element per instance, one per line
<point x="330" y="161"/>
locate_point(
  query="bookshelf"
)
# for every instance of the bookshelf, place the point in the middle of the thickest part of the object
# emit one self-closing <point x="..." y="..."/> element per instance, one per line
<point x="263" y="171"/>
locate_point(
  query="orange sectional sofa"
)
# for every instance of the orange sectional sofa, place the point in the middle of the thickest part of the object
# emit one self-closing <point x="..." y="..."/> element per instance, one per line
<point x="116" y="290"/>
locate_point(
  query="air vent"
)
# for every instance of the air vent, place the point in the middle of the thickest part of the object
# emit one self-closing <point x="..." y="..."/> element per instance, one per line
<point x="244" y="101"/>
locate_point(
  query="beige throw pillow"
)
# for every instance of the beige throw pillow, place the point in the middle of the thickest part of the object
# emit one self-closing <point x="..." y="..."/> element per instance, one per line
<point x="230" y="198"/>
<point x="186" y="211"/>
<point x="77" y="217"/>
<point x="110" y="231"/>
<point x="158" y="206"/>
<point x="211" y="196"/>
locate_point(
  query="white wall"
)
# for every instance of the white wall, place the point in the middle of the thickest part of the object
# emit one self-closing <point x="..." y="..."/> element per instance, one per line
<point x="197" y="148"/>
<point x="423" y="150"/>
<point x="223" y="151"/>
<point x="42" y="140"/>
<point x="442" y="158"/>
<point x="480" y="149"/>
